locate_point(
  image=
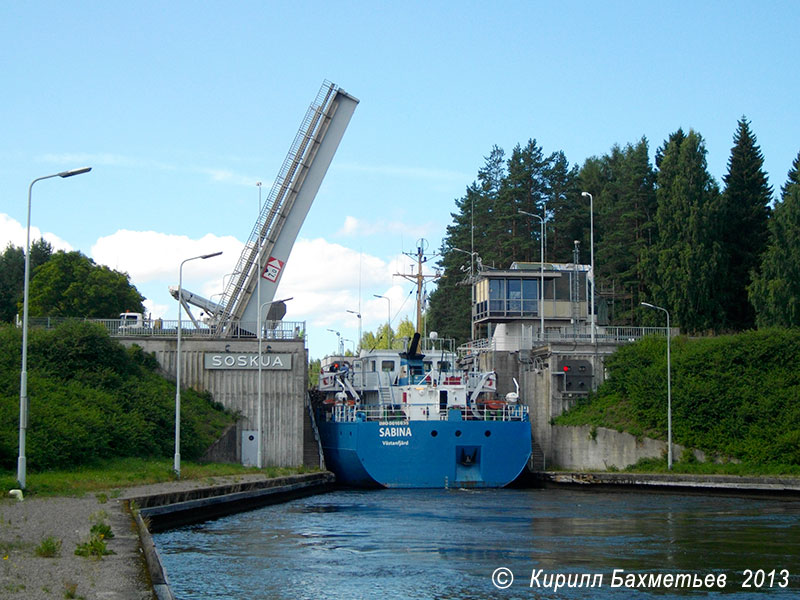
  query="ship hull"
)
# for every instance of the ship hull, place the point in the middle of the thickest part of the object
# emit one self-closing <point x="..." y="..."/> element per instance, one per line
<point x="426" y="454"/>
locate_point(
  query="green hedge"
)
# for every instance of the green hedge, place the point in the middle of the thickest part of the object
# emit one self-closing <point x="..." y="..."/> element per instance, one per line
<point x="90" y="398"/>
<point x="735" y="396"/>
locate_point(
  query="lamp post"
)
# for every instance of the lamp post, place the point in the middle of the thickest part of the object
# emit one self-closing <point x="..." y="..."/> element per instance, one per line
<point x="669" y="386"/>
<point x="541" y="271"/>
<point x="177" y="461"/>
<point x="388" y="321"/>
<point x="259" y="427"/>
<point x="472" y="255"/>
<point x="23" y="378"/>
<point x="340" y="343"/>
<point x="357" y="314"/>
<point x="591" y="247"/>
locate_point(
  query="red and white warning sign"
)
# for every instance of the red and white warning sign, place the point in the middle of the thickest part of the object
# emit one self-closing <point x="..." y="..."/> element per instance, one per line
<point x="273" y="269"/>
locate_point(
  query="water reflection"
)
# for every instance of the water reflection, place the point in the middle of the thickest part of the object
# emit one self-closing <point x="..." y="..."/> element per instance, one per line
<point x="446" y="544"/>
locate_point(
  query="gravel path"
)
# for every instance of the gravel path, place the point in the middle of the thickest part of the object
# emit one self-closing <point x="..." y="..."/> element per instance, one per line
<point x="118" y="576"/>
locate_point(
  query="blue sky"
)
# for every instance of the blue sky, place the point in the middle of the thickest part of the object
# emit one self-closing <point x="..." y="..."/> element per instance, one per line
<point x="180" y="108"/>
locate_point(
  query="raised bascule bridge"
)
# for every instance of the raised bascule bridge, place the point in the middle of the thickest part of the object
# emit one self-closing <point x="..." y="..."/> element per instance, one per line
<point x="241" y="350"/>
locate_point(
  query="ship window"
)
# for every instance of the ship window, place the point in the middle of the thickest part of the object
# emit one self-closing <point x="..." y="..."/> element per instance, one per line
<point x="458" y="433"/>
<point x="487" y="433"/>
<point x="387" y="365"/>
<point x="434" y="433"/>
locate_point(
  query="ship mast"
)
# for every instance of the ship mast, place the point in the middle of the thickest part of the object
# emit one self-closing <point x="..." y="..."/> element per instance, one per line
<point x="419" y="278"/>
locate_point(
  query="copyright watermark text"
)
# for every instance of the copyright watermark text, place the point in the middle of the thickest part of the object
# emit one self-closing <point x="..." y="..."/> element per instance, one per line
<point x="503" y="578"/>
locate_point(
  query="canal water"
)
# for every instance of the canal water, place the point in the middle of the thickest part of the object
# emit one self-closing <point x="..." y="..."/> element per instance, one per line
<point x="460" y="544"/>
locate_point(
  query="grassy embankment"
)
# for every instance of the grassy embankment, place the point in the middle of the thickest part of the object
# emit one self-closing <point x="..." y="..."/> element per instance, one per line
<point x="735" y="397"/>
<point x="110" y="475"/>
<point x="100" y="415"/>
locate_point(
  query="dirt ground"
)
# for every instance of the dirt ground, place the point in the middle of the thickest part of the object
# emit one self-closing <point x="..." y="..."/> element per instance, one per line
<point x="118" y="576"/>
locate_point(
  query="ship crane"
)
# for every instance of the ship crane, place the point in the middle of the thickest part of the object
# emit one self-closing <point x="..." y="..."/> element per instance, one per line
<point x="275" y="231"/>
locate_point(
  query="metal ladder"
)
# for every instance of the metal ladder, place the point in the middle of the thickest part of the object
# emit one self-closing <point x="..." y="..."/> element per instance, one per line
<point x="278" y="203"/>
<point x="385" y="390"/>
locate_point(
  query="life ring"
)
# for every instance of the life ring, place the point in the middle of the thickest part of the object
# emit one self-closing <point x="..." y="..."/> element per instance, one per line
<point x="494" y="404"/>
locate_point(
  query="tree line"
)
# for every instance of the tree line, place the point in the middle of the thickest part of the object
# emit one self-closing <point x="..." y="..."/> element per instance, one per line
<point x="719" y="259"/>
<point x="63" y="284"/>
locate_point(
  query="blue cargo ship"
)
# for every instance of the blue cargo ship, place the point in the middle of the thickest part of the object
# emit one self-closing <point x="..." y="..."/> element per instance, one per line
<point x="411" y="420"/>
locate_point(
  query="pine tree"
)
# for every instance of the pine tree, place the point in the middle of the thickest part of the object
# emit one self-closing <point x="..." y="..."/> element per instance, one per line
<point x="623" y="183"/>
<point x="566" y="215"/>
<point x="743" y="218"/>
<point x="473" y="227"/>
<point x="685" y="262"/>
<point x="775" y="289"/>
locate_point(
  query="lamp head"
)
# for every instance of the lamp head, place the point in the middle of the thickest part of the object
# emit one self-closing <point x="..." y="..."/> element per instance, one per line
<point x="73" y="172"/>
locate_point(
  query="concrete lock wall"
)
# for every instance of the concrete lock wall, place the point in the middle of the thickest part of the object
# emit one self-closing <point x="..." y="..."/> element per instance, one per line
<point x="542" y="391"/>
<point x="233" y="382"/>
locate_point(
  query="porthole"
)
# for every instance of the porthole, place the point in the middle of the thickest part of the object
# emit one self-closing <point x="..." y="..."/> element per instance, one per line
<point x="487" y="433"/>
<point x="458" y="433"/>
<point x="434" y="433"/>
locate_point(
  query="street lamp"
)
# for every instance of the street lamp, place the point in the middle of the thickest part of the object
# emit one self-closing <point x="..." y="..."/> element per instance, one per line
<point x="340" y="344"/>
<point x="472" y="255"/>
<point x="23" y="378"/>
<point x="669" y="387"/>
<point x="177" y="462"/>
<point x="259" y="408"/>
<point x="388" y="321"/>
<point x="591" y="246"/>
<point x="357" y="314"/>
<point x="541" y="271"/>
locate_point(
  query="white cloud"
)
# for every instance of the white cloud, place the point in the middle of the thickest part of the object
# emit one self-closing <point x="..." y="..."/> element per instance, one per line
<point x="150" y="255"/>
<point x="355" y="227"/>
<point x="215" y="174"/>
<point x="228" y="176"/>
<point x="13" y="232"/>
<point x="324" y="280"/>
<point x="155" y="310"/>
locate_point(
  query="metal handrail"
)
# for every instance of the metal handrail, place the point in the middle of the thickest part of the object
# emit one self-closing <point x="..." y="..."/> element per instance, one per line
<point x="351" y="413"/>
<point x="263" y="230"/>
<point x="618" y="335"/>
<point x="161" y="328"/>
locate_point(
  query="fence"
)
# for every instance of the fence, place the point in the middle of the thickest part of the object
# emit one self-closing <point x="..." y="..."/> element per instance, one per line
<point x="161" y="328"/>
<point x="603" y="335"/>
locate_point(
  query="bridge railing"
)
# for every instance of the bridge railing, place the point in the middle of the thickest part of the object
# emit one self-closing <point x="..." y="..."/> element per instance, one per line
<point x="163" y="328"/>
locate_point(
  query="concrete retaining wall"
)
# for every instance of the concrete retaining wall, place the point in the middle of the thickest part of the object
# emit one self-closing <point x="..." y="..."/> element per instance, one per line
<point x="598" y="448"/>
<point x="283" y="391"/>
<point x="159" y="511"/>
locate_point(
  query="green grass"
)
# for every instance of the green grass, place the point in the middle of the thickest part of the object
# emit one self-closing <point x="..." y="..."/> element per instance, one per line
<point x="659" y="465"/>
<point x="50" y="547"/>
<point x="121" y="473"/>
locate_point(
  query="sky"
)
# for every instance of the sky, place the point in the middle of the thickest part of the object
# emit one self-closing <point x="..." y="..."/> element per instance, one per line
<point x="180" y="108"/>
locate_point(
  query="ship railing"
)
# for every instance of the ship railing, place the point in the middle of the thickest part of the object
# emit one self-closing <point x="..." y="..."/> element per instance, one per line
<point x="354" y="413"/>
